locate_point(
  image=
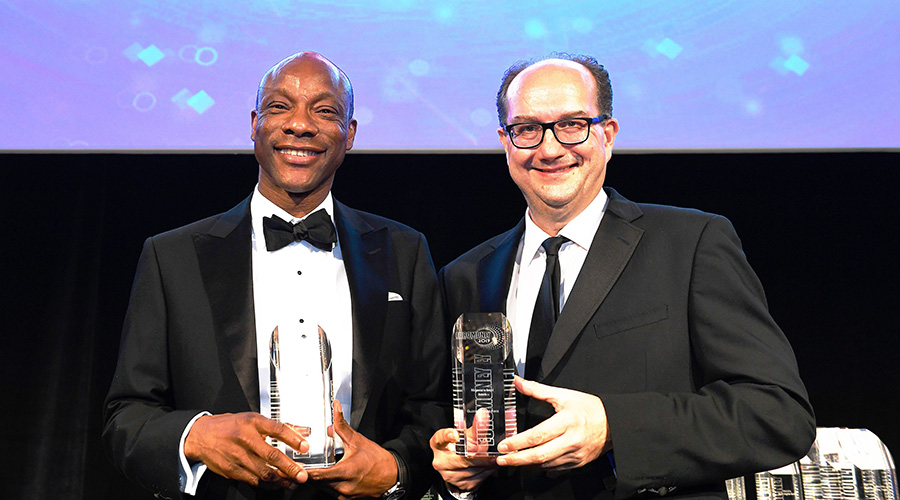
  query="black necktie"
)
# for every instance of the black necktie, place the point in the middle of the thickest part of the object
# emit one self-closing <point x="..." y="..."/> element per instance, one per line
<point x="317" y="229"/>
<point x="546" y="309"/>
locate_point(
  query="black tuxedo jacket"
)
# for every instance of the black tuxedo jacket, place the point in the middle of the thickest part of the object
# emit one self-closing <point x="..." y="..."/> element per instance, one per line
<point x="668" y="325"/>
<point x="189" y="344"/>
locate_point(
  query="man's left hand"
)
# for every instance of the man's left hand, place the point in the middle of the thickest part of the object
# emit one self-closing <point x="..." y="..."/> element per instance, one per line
<point x="366" y="470"/>
<point x="577" y="434"/>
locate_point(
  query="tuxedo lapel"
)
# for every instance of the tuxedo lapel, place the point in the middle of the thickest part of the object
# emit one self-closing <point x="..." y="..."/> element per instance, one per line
<point x="495" y="271"/>
<point x="224" y="258"/>
<point x="612" y="247"/>
<point x="365" y="251"/>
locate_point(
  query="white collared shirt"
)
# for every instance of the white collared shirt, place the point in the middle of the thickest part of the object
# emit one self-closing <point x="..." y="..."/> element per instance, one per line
<point x="528" y="270"/>
<point x="300" y="282"/>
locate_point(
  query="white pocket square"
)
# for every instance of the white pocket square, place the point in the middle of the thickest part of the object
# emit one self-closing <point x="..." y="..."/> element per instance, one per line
<point x="394" y="296"/>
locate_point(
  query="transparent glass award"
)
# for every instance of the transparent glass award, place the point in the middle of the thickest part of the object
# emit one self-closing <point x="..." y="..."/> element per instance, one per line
<point x="484" y="392"/>
<point x="842" y="464"/>
<point x="301" y="390"/>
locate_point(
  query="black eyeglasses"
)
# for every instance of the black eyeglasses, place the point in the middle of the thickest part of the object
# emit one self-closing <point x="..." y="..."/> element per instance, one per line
<point x="567" y="131"/>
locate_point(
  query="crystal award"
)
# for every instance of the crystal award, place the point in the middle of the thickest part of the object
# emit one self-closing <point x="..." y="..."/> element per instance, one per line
<point x="484" y="392"/>
<point x="301" y="391"/>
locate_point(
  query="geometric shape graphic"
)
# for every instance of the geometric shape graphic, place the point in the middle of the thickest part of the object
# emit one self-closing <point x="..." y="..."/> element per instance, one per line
<point x="181" y="98"/>
<point x="201" y="101"/>
<point x="668" y="48"/>
<point x="144" y="101"/>
<point x="206" y="60"/>
<point x="796" y="64"/>
<point x="132" y="51"/>
<point x="778" y="65"/>
<point x="151" y="55"/>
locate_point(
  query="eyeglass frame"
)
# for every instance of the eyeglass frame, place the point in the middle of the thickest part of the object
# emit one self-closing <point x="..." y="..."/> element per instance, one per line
<point x="551" y="125"/>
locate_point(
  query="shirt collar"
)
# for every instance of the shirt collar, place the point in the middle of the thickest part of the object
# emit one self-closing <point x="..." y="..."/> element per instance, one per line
<point x="580" y="230"/>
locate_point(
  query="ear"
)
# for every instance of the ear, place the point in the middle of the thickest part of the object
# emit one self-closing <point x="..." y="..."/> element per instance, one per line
<point x="253" y="116"/>
<point x="610" y="129"/>
<point x="351" y="134"/>
<point x="504" y="139"/>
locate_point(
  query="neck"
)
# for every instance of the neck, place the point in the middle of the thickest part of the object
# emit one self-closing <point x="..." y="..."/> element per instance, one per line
<point x="297" y="204"/>
<point x="552" y="220"/>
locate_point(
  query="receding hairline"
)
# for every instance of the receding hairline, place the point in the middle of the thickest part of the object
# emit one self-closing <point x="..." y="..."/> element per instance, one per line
<point x="551" y="63"/>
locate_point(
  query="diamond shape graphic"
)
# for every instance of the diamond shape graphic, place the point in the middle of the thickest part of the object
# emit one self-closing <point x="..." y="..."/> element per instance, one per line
<point x="201" y="101"/>
<point x="669" y="48"/>
<point x="151" y="55"/>
<point x="132" y="51"/>
<point x="181" y="98"/>
<point x="796" y="64"/>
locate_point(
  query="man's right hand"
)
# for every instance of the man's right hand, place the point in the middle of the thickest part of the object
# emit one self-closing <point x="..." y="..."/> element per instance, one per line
<point x="460" y="473"/>
<point x="234" y="446"/>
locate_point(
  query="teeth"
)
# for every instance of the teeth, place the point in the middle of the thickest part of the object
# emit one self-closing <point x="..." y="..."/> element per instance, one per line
<point x="298" y="152"/>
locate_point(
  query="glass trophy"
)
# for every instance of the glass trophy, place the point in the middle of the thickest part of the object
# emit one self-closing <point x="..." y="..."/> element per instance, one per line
<point x="301" y="391"/>
<point x="842" y="464"/>
<point x="484" y="393"/>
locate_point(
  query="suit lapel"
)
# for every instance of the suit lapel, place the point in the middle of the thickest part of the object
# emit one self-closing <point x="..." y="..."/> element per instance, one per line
<point x="495" y="271"/>
<point x="365" y="250"/>
<point x="226" y="247"/>
<point x="613" y="245"/>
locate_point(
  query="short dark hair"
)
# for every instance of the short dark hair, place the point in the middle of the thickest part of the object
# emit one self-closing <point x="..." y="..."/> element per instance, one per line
<point x="601" y="78"/>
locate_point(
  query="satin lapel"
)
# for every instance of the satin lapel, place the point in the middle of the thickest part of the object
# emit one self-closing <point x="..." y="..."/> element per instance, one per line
<point x="224" y="257"/>
<point x="365" y="251"/>
<point x="495" y="271"/>
<point x="612" y="247"/>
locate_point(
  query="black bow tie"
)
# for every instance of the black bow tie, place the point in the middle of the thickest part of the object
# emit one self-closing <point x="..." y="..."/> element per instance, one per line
<point x="317" y="229"/>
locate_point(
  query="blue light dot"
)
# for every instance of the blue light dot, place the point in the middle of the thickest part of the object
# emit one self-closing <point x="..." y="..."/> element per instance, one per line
<point x="534" y="28"/>
<point x="582" y="25"/>
<point x="419" y="67"/>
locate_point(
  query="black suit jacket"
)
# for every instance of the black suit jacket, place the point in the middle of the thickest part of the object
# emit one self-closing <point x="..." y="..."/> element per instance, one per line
<point x="189" y="344"/>
<point x="668" y="325"/>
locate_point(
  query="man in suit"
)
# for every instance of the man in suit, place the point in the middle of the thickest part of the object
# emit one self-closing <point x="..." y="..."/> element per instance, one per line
<point x="660" y="371"/>
<point x="183" y="415"/>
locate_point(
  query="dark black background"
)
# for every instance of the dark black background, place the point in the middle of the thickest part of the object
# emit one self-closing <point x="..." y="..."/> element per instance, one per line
<point x="820" y="229"/>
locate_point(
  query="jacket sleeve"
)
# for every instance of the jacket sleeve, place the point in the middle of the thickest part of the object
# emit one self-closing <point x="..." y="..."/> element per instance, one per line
<point x="750" y="410"/>
<point x="141" y="426"/>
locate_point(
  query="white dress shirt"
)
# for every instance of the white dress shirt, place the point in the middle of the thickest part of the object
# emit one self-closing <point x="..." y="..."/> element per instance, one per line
<point x="528" y="270"/>
<point x="297" y="282"/>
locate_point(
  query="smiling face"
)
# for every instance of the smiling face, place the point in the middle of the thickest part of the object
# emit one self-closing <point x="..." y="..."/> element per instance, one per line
<point x="301" y="130"/>
<point x="558" y="181"/>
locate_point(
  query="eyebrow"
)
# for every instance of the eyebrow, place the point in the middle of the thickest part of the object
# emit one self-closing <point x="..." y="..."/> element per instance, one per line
<point x="277" y="91"/>
<point x="532" y="119"/>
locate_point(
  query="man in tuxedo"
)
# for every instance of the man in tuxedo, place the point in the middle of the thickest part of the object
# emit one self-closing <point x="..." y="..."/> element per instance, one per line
<point x="650" y="363"/>
<point x="188" y="411"/>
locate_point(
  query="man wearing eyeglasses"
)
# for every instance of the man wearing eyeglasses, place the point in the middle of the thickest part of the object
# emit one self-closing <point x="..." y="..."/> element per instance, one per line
<point x="648" y="362"/>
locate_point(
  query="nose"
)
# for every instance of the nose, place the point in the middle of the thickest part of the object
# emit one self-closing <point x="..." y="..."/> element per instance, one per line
<point x="550" y="148"/>
<point x="300" y="124"/>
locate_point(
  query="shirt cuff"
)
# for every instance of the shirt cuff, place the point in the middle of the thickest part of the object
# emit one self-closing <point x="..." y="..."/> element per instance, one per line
<point x="189" y="475"/>
<point x="449" y="494"/>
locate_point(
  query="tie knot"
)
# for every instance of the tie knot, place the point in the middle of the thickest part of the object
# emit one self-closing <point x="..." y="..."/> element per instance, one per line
<point x="300" y="231"/>
<point x="551" y="245"/>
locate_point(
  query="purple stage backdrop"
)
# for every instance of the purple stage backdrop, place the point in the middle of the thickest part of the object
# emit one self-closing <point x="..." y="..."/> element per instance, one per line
<point x="174" y="74"/>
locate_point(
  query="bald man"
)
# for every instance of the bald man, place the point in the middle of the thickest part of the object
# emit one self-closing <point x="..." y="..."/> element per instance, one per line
<point x="188" y="412"/>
